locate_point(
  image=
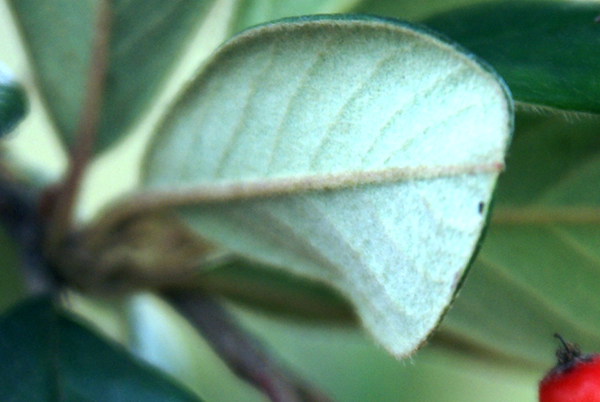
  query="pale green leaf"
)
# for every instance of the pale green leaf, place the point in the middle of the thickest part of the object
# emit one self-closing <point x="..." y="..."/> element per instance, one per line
<point x="146" y="38"/>
<point x="538" y="271"/>
<point x="402" y="133"/>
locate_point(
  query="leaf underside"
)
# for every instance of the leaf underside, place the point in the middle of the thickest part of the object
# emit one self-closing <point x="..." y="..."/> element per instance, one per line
<point x="302" y="99"/>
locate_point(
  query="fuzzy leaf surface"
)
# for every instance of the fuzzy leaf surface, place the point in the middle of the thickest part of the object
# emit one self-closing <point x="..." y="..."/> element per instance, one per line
<point x="358" y="152"/>
<point x="145" y="39"/>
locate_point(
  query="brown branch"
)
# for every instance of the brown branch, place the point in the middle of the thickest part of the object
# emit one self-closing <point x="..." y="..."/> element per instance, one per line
<point x="61" y="217"/>
<point x="241" y="351"/>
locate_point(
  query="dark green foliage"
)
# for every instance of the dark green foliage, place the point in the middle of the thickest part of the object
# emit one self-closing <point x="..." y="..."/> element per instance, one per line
<point x="47" y="356"/>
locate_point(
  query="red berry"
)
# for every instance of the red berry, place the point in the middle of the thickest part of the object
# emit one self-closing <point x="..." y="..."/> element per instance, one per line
<point x="576" y="377"/>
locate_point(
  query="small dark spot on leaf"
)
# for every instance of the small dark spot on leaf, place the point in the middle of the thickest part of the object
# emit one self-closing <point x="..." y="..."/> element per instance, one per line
<point x="481" y="207"/>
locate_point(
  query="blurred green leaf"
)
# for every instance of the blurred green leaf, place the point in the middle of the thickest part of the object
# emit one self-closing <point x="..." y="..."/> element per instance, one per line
<point x="49" y="357"/>
<point x="351" y="368"/>
<point x="343" y="362"/>
<point x="547" y="52"/>
<point x="538" y="271"/>
<point x="13" y="102"/>
<point x="276" y="291"/>
<point x="146" y="38"/>
<point x="410" y="10"/>
<point x="12" y="287"/>
<point x="301" y="101"/>
<point x="253" y="12"/>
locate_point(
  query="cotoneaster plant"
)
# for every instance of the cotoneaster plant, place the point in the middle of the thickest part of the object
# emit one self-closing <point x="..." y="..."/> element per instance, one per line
<point x="335" y="168"/>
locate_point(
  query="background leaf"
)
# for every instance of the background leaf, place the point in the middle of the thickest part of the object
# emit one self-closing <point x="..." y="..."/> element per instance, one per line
<point x="49" y="357"/>
<point x="253" y="12"/>
<point x="13" y="103"/>
<point x="350" y="368"/>
<point x="146" y="38"/>
<point x="12" y="287"/>
<point x="547" y="52"/>
<point x="341" y="361"/>
<point x="411" y="10"/>
<point x="274" y="290"/>
<point x="538" y="271"/>
<point x="330" y="96"/>
<point x="347" y="364"/>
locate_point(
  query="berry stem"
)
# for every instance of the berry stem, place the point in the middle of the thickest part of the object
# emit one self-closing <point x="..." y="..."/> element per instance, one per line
<point x="568" y="352"/>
